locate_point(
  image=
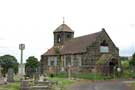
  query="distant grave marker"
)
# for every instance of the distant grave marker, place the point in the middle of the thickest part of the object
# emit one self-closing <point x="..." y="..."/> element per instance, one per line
<point x="0" y="71"/>
<point x="10" y="77"/>
<point x="1" y="77"/>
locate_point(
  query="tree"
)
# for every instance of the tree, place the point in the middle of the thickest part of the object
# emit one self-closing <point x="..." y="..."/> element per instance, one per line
<point x="132" y="62"/>
<point x="8" y="61"/>
<point x="31" y="66"/>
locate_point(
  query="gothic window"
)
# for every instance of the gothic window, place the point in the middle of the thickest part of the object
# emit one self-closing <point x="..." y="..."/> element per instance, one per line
<point x="68" y="60"/>
<point x="49" y="61"/>
<point x="55" y="61"/>
<point x="75" y="62"/>
<point x="104" y="48"/>
<point x="86" y="62"/>
<point x="52" y="61"/>
<point x="92" y="61"/>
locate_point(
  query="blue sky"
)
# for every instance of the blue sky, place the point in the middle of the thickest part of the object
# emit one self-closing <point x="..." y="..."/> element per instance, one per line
<point x="32" y="22"/>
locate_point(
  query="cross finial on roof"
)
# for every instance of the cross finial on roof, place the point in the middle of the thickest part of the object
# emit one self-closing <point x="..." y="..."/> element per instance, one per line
<point x="63" y="20"/>
<point x="103" y="29"/>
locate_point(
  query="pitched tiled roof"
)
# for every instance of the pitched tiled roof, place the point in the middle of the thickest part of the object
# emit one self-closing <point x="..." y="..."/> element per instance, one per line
<point x="75" y="45"/>
<point x="50" y="51"/>
<point x="79" y="44"/>
<point x="63" y="27"/>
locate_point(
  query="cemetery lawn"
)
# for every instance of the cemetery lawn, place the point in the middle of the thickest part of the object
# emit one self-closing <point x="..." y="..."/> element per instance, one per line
<point x="132" y="86"/>
<point x="62" y="82"/>
<point x="10" y="86"/>
<point x="87" y="76"/>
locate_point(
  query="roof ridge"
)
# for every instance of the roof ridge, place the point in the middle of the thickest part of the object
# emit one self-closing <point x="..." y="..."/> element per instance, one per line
<point x="86" y="35"/>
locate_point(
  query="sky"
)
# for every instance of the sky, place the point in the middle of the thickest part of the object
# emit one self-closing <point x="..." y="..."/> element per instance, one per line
<point x="32" y="22"/>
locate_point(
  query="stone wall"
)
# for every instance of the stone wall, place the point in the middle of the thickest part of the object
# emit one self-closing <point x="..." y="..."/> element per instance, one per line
<point x="93" y="53"/>
<point x="44" y="64"/>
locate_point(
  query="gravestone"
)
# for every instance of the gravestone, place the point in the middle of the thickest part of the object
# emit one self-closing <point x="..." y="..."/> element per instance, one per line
<point x="25" y="85"/>
<point x="41" y="78"/>
<point x="1" y="77"/>
<point x="10" y="76"/>
<point x="0" y="71"/>
<point x="36" y="76"/>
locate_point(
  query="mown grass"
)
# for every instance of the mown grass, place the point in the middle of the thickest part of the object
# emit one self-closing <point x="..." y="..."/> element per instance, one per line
<point x="61" y="82"/>
<point x="133" y="84"/>
<point x="88" y="76"/>
<point x="10" y="86"/>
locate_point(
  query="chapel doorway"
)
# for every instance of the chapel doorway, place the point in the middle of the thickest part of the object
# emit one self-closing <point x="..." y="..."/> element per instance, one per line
<point x="113" y="65"/>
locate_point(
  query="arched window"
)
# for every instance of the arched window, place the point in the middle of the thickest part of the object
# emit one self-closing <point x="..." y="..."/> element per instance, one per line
<point x="104" y="48"/>
<point x="58" y="39"/>
<point x="104" y="43"/>
<point x="68" y="60"/>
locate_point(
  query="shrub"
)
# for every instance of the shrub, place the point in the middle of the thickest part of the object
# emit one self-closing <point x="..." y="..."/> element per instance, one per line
<point x="127" y="74"/>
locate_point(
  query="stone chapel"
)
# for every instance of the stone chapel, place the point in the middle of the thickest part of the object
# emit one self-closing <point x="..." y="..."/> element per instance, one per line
<point x="88" y="53"/>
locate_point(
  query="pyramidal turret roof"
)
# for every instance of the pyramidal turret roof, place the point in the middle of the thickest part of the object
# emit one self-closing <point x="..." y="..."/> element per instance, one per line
<point x="63" y="28"/>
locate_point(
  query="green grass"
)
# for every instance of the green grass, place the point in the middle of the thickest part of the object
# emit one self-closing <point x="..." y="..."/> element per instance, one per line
<point x="61" y="82"/>
<point x="10" y="86"/>
<point x="133" y="84"/>
<point x="89" y="76"/>
<point x="64" y="82"/>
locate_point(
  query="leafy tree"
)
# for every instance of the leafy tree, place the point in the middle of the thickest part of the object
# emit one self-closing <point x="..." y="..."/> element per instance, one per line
<point x="123" y="58"/>
<point x="8" y="61"/>
<point x="125" y="64"/>
<point x="31" y="66"/>
<point x="132" y="62"/>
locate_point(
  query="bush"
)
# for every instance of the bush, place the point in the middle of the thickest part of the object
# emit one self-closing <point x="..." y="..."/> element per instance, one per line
<point x="51" y="75"/>
<point x="133" y="74"/>
<point x="127" y="74"/>
<point x="125" y="64"/>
